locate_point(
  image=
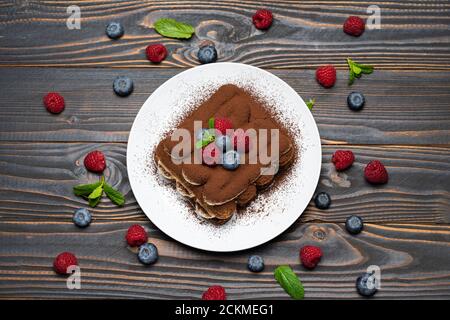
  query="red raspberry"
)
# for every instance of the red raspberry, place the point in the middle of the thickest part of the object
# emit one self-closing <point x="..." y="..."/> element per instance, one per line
<point x="95" y="161"/>
<point x="215" y="293"/>
<point x="54" y="102"/>
<point x="63" y="261"/>
<point x="223" y="124"/>
<point x="211" y="154"/>
<point x="156" y="53"/>
<point x="343" y="159"/>
<point x="310" y="256"/>
<point x="326" y="75"/>
<point x="376" y="173"/>
<point x="241" y="140"/>
<point x="262" y="19"/>
<point x="136" y="235"/>
<point x="354" y="26"/>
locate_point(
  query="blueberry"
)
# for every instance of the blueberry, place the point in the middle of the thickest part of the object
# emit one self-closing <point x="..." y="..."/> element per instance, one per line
<point x="148" y="253"/>
<point x="82" y="217"/>
<point x="366" y="284"/>
<point x="354" y="224"/>
<point x="223" y="142"/>
<point x="255" y="264"/>
<point x="355" y="101"/>
<point x="322" y="200"/>
<point x="123" y="86"/>
<point x="207" y="54"/>
<point x="231" y="160"/>
<point x="114" y="30"/>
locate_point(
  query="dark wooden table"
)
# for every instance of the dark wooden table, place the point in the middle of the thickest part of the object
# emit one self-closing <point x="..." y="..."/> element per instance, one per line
<point x="405" y="124"/>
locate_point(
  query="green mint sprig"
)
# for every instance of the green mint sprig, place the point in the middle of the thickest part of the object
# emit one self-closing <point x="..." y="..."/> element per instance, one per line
<point x="356" y="70"/>
<point x="310" y="103"/>
<point x="114" y="195"/>
<point x="173" y="29"/>
<point x="208" y="136"/>
<point x="93" y="193"/>
<point x="94" y="202"/>
<point x="289" y="281"/>
<point x="211" y="123"/>
<point x="84" y="190"/>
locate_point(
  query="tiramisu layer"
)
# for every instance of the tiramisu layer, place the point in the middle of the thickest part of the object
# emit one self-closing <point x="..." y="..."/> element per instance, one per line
<point x="215" y="191"/>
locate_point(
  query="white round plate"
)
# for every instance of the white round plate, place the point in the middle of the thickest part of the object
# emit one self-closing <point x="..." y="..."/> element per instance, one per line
<point x="274" y="210"/>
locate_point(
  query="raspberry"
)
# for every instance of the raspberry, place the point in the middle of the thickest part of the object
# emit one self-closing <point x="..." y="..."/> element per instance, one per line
<point x="376" y="173"/>
<point x="156" y="53"/>
<point x="262" y="19"/>
<point x="223" y="124"/>
<point x="63" y="261"/>
<point x="136" y="235"/>
<point x="95" y="161"/>
<point x="310" y="256"/>
<point x="241" y="141"/>
<point x="354" y="26"/>
<point x="215" y="293"/>
<point x="211" y="154"/>
<point x="343" y="159"/>
<point x="326" y="76"/>
<point x="54" y="102"/>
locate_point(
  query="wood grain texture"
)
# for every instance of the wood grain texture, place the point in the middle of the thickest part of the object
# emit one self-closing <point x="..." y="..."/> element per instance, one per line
<point x="414" y="261"/>
<point x="405" y="124"/>
<point x="36" y="181"/>
<point x="413" y="34"/>
<point x="401" y="108"/>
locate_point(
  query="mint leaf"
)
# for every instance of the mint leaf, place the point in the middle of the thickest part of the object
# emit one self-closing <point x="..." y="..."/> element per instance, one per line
<point x="207" y="138"/>
<point x="351" y="78"/>
<point x="310" y="103"/>
<point x="366" y="69"/>
<point x="93" y="192"/>
<point x="356" y="69"/>
<point x="199" y="144"/>
<point x="96" y="193"/>
<point x="173" y="29"/>
<point x="85" y="189"/>
<point x="211" y="123"/>
<point x="94" y="202"/>
<point x="203" y="143"/>
<point x="114" y="195"/>
<point x="289" y="282"/>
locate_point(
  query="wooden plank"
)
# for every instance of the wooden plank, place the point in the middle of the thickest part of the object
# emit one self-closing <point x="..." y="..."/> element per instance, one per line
<point x="413" y="34"/>
<point x="414" y="261"/>
<point x="402" y="107"/>
<point x="36" y="181"/>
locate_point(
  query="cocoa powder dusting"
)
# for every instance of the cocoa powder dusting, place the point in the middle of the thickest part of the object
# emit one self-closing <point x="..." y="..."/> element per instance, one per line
<point x="217" y="186"/>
